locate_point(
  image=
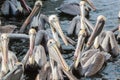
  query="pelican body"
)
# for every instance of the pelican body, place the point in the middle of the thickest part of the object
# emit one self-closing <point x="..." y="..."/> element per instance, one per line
<point x="14" y="7"/>
<point x="8" y="57"/>
<point x="36" y="56"/>
<point x="74" y="8"/>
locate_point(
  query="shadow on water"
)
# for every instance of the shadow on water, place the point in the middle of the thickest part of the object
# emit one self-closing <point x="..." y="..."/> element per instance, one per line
<point x="108" y="8"/>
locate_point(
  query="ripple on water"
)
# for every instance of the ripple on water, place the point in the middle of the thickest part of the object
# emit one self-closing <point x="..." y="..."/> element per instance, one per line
<point x="108" y="8"/>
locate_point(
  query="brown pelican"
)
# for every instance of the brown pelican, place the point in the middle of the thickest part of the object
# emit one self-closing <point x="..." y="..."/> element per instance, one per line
<point x="118" y="35"/>
<point x="8" y="57"/>
<point x="14" y="7"/>
<point x="36" y="8"/>
<point x="16" y="73"/>
<point x="7" y="28"/>
<point x="10" y="30"/>
<point x="36" y="54"/>
<point x="97" y="30"/>
<point x="55" y="26"/>
<point x="105" y="40"/>
<point x="56" y="57"/>
<point x="50" y="71"/>
<point x="83" y="33"/>
<point x="77" y="23"/>
<point x="45" y="72"/>
<point x="55" y="32"/>
<point x="38" y="22"/>
<point x="91" y="61"/>
<point x="74" y="8"/>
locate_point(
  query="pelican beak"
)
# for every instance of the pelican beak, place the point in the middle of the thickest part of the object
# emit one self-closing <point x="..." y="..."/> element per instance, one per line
<point x="25" y="5"/>
<point x="16" y="8"/>
<point x="79" y="47"/>
<point x="4" y="42"/>
<point x="55" y="25"/>
<point x="55" y="54"/>
<point x="32" y="34"/>
<point x="19" y="7"/>
<point x="35" y="9"/>
<point x="82" y="8"/>
<point x="91" y="4"/>
<point x="97" y="30"/>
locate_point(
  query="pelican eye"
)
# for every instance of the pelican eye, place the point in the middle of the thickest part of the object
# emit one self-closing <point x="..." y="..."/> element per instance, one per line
<point x="32" y="31"/>
<point x="54" y="20"/>
<point x="4" y="37"/>
<point x="51" y="43"/>
<point x="38" y="3"/>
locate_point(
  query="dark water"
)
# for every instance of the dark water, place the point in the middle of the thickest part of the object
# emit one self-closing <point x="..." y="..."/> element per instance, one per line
<point x="108" y="8"/>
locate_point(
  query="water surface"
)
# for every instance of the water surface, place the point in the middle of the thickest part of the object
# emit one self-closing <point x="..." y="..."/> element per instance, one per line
<point x="108" y="8"/>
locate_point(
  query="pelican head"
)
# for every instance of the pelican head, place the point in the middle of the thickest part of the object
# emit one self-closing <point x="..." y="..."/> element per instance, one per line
<point x="32" y="34"/>
<point x="98" y="28"/>
<point x="4" y="43"/>
<point x="82" y="2"/>
<point x="101" y="17"/>
<point x="38" y="3"/>
<point x="35" y="10"/>
<point x="55" y="26"/>
<point x="91" y="4"/>
<point x="55" y="54"/>
<point x="37" y="6"/>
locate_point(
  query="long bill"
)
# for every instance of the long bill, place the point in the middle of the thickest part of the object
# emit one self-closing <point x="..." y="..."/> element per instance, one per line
<point x="55" y="54"/>
<point x="54" y="22"/>
<point x="4" y="42"/>
<point x="25" y="5"/>
<point x="32" y="33"/>
<point x="91" y="4"/>
<point x="97" y="30"/>
<point x="36" y="8"/>
<point x="82" y="8"/>
<point x="78" y="50"/>
<point x="81" y="36"/>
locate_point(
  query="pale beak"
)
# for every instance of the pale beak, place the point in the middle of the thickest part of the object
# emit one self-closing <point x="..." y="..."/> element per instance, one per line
<point x="32" y="42"/>
<point x="5" y="47"/>
<point x="55" y="54"/>
<point x="31" y="47"/>
<point x="29" y="18"/>
<point x="56" y="26"/>
<point x="25" y="5"/>
<point x="97" y="30"/>
<point x="91" y="4"/>
<point x="82" y="8"/>
<point x="78" y="50"/>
